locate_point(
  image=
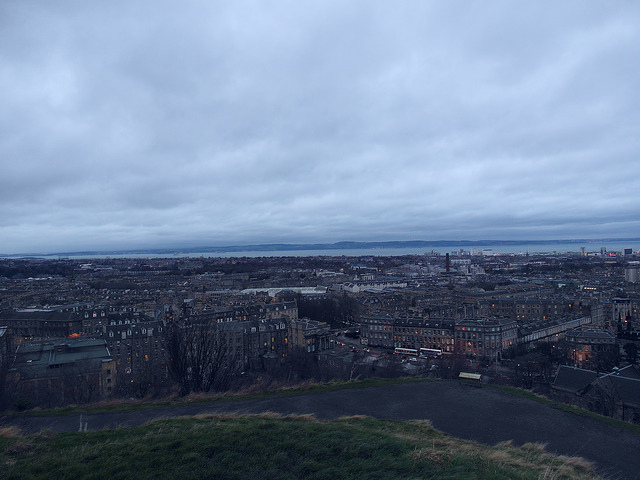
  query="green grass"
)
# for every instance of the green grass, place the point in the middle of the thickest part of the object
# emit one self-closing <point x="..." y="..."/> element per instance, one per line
<point x="275" y="447"/>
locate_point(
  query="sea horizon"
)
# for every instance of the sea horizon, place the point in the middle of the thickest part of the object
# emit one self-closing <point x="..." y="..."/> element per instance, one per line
<point x="501" y="247"/>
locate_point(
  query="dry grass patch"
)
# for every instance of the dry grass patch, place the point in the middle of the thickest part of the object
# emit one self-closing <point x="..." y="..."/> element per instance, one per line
<point x="504" y="444"/>
<point x="9" y="432"/>
<point x="438" y="457"/>
<point x="349" y="418"/>
<point x="210" y="416"/>
<point x="576" y="461"/>
<point x="567" y="469"/>
<point x="45" y="435"/>
<point x="534" y="457"/>
<point x="18" y="447"/>
<point x="534" y="446"/>
<point x="305" y="417"/>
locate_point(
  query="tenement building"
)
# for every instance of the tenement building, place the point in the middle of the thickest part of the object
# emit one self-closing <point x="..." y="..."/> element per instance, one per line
<point x="266" y="339"/>
<point x="139" y="349"/>
<point x="377" y="330"/>
<point x="424" y="333"/>
<point x="488" y="338"/>
<point x="592" y="348"/>
<point x="41" y="323"/>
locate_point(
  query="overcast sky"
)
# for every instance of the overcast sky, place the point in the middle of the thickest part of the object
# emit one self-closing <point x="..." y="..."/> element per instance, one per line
<point x="151" y="124"/>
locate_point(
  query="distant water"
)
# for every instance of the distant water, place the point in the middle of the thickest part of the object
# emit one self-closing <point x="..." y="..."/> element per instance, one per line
<point x="385" y="252"/>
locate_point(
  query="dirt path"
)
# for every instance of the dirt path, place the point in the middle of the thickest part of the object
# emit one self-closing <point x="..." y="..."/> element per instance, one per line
<point x="486" y="415"/>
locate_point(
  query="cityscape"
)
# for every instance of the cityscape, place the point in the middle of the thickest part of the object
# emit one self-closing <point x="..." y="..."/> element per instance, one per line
<point x="83" y="330"/>
<point x="296" y="240"/>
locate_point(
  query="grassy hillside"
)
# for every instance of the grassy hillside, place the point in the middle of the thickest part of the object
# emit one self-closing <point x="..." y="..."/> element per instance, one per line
<point x="255" y="391"/>
<point x="275" y="447"/>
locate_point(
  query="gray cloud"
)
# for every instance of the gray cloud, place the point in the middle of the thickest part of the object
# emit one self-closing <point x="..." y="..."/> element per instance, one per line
<point x="143" y="124"/>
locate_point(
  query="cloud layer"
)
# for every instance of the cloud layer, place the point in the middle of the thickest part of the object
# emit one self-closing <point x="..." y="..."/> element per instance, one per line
<point x="142" y="124"/>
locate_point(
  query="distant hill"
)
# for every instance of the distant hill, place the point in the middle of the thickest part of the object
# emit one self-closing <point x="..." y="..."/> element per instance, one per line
<point x="346" y="245"/>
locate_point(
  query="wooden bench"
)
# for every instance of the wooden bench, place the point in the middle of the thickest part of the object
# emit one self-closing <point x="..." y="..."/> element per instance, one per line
<point x="473" y="379"/>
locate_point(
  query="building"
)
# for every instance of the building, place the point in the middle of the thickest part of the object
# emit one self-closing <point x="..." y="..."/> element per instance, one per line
<point x="435" y="333"/>
<point x="621" y="308"/>
<point x="269" y="335"/>
<point x="406" y="332"/>
<point x="6" y="349"/>
<point x="615" y="394"/>
<point x="379" y="285"/>
<point x="71" y="371"/>
<point x="525" y="309"/>
<point x="310" y="335"/>
<point x="6" y="360"/>
<point x="549" y="330"/>
<point x="216" y="314"/>
<point x="488" y="338"/>
<point x="233" y="342"/>
<point x="377" y="330"/>
<point x="41" y="323"/>
<point x="281" y="309"/>
<point x="266" y="341"/>
<point x="138" y="349"/>
<point x="571" y="381"/>
<point x="632" y="273"/>
<point x="94" y="319"/>
<point x="592" y="348"/>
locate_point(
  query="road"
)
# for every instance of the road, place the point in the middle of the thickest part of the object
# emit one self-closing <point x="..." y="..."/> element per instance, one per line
<point x="485" y="415"/>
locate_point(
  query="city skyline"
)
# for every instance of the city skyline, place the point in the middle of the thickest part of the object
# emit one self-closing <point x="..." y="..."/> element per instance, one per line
<point x="608" y="246"/>
<point x="154" y="126"/>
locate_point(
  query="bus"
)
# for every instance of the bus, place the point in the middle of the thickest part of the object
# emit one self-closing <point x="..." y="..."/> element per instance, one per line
<point x="430" y="352"/>
<point x="406" y="351"/>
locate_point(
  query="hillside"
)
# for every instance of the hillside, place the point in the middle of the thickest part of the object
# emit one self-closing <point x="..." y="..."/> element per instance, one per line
<point x="487" y="415"/>
<point x="271" y="446"/>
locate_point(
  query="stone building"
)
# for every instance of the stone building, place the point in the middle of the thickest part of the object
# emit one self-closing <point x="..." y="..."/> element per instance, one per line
<point x="419" y="333"/>
<point x="6" y="360"/>
<point x="266" y="341"/>
<point x="6" y="348"/>
<point x="592" y="348"/>
<point x="41" y="323"/>
<point x="54" y="373"/>
<point x="281" y="309"/>
<point x="488" y="338"/>
<point x="615" y="394"/>
<point x="311" y="335"/>
<point x="377" y="330"/>
<point x="138" y="349"/>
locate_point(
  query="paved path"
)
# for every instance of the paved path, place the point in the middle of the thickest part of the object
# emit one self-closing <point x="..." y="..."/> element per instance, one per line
<point x="486" y="415"/>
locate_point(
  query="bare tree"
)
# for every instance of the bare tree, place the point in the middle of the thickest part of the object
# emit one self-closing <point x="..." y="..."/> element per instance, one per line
<point x="140" y="385"/>
<point x="200" y="358"/>
<point x="4" y="381"/>
<point x="6" y="360"/>
<point x="79" y="384"/>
